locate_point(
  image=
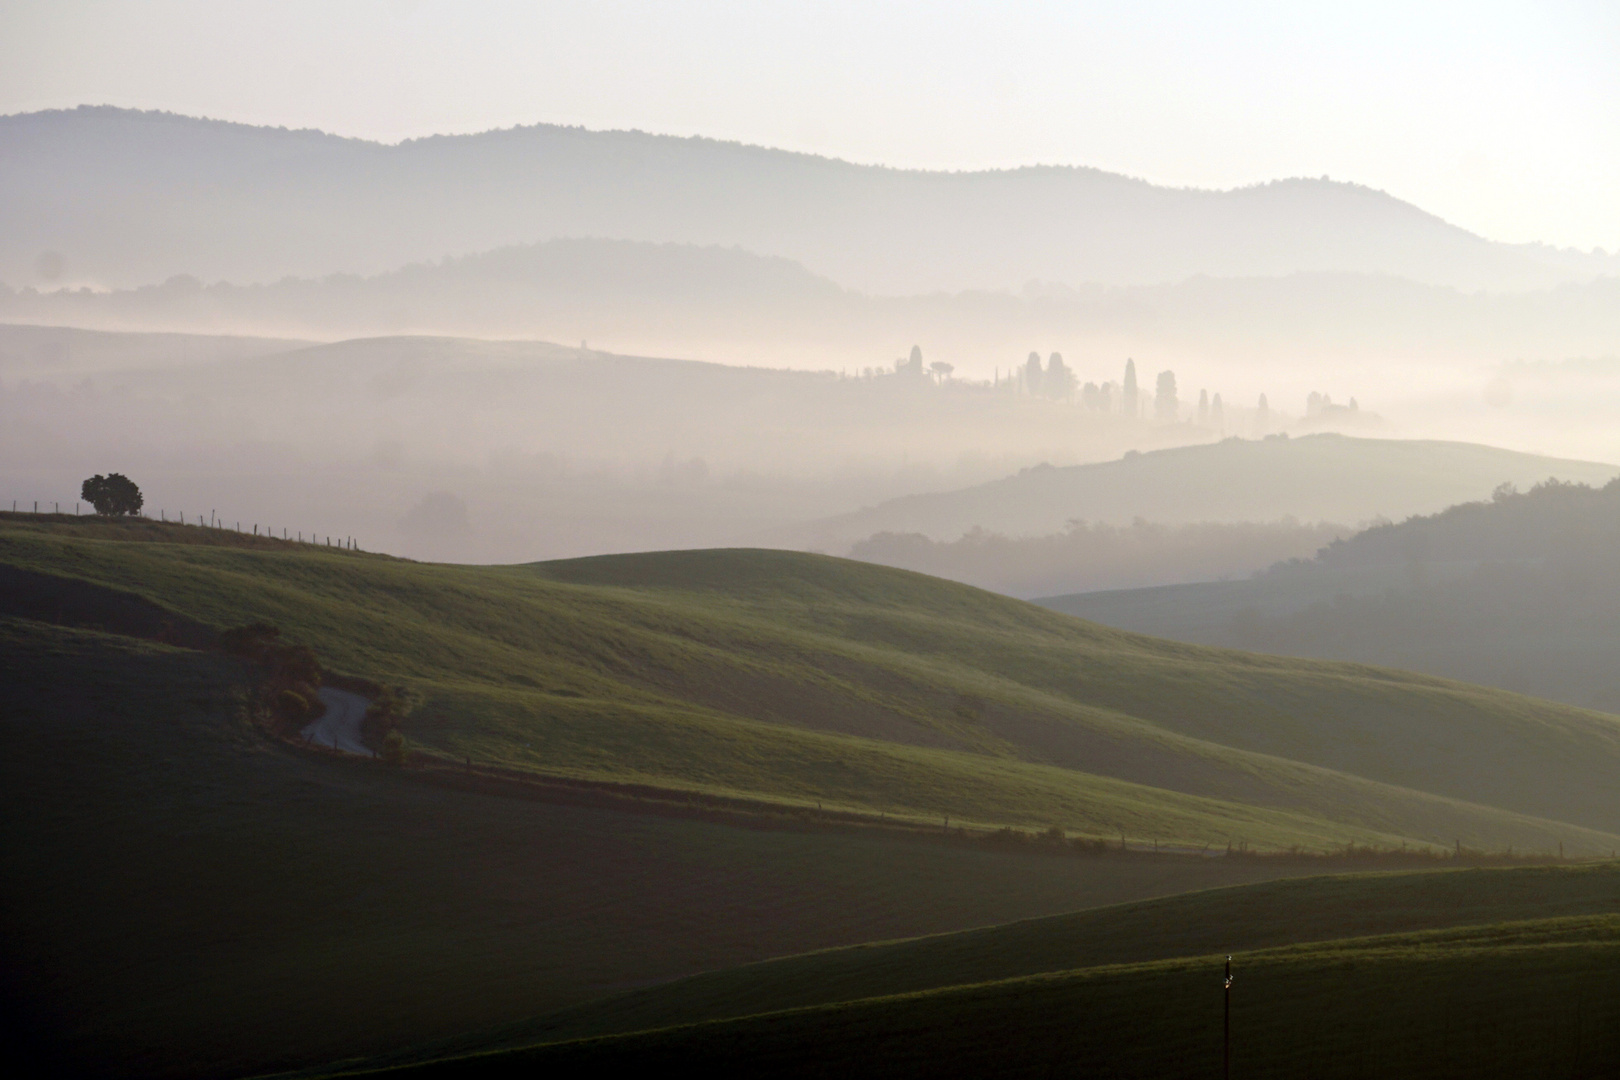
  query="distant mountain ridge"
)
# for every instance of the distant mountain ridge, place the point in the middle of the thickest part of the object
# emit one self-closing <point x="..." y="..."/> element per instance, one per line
<point x="730" y="304"/>
<point x="119" y="197"/>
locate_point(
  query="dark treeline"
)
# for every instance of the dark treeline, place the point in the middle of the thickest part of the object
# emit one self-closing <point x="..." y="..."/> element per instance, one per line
<point x="1519" y="592"/>
<point x="1552" y="519"/>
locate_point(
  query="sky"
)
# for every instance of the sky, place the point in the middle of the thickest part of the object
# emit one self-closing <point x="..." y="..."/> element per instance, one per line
<point x="1503" y="118"/>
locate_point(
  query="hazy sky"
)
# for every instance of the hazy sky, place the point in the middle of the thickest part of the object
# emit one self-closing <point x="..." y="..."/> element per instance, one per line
<point x="1501" y="117"/>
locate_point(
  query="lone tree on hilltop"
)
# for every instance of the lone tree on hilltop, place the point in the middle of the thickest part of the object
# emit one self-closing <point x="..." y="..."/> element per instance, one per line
<point x="112" y="494"/>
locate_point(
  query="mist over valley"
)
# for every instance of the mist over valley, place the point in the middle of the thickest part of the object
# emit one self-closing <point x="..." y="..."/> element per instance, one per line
<point x="809" y="542"/>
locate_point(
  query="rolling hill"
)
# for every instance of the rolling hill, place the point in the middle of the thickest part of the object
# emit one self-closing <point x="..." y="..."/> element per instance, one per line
<point x="251" y="204"/>
<point x="1232" y="919"/>
<point x="1518" y="592"/>
<point x="1313" y="478"/>
<point x="733" y="305"/>
<point x="799" y="723"/>
<point x="1434" y="974"/>
<point x="181" y="897"/>
<point x="811" y="681"/>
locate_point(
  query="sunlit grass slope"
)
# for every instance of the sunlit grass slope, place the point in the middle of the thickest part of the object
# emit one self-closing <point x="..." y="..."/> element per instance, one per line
<point x="180" y="896"/>
<point x="1520" y="999"/>
<point x="807" y="679"/>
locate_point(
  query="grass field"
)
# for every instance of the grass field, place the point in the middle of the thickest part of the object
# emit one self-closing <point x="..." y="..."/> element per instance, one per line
<point x="184" y="895"/>
<point x="1238" y="919"/>
<point x="805" y="680"/>
<point x="1509" y="1000"/>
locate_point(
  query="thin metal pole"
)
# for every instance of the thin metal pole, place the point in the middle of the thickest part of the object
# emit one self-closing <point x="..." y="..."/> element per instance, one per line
<point x="1226" y="1042"/>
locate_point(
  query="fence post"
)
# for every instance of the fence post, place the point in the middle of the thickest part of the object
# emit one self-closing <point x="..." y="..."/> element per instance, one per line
<point x="1226" y="1042"/>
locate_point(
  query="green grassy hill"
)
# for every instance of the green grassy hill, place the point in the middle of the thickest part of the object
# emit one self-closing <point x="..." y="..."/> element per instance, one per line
<point x="1239" y="919"/>
<point x="802" y="679"/>
<point x="180" y="896"/>
<point x="1508" y="1000"/>
<point x="184" y="895"/>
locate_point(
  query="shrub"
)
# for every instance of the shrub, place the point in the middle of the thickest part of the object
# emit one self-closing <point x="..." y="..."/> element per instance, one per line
<point x="252" y="642"/>
<point x="291" y="705"/>
<point x="295" y="664"/>
<point x="382" y="715"/>
<point x="394" y="750"/>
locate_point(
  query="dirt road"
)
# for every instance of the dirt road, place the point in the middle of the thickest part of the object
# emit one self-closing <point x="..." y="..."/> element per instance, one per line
<point x="339" y="726"/>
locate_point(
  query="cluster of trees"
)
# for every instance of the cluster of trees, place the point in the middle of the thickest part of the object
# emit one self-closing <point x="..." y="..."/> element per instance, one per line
<point x="290" y="691"/>
<point x="1319" y="405"/>
<point x="1554" y="519"/>
<point x="1056" y="380"/>
<point x="1517" y="592"/>
<point x="380" y="725"/>
<point x="1211" y="413"/>
<point x="912" y="367"/>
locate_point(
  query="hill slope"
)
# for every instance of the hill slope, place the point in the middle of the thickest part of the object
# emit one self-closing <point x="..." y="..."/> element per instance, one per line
<point x="255" y="204"/>
<point x="1314" y="478"/>
<point x="180" y="896"/>
<point x="1518" y="592"/>
<point x="726" y="303"/>
<point x="1430" y="961"/>
<point x="807" y="680"/>
<point x="1502" y="1001"/>
<point x="1227" y="920"/>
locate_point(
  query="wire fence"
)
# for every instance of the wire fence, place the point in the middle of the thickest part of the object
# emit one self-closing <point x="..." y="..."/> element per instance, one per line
<point x="53" y="508"/>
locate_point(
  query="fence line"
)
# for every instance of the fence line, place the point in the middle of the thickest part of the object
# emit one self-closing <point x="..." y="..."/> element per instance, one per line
<point x="213" y="521"/>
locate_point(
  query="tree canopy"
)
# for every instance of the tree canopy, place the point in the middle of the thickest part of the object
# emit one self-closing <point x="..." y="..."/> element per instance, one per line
<point x="112" y="494"/>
